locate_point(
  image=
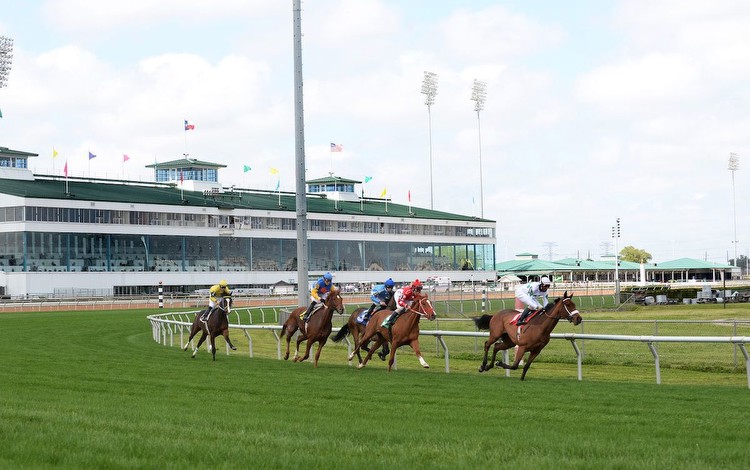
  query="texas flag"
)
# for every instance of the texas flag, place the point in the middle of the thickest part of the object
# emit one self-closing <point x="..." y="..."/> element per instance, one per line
<point x="189" y="127"/>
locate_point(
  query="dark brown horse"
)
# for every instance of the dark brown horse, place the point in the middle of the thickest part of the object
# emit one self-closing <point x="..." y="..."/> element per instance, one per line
<point x="216" y="324"/>
<point x="317" y="329"/>
<point x="404" y="331"/>
<point x="533" y="336"/>
<point x="357" y="330"/>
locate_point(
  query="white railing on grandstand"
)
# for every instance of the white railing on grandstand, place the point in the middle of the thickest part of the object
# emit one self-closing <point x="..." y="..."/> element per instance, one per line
<point x="166" y="325"/>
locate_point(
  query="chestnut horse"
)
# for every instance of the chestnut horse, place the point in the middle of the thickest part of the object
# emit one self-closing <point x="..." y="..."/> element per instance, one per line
<point x="404" y="331"/>
<point x="216" y="324"/>
<point x="357" y="330"/>
<point x="533" y="336"/>
<point x="316" y="330"/>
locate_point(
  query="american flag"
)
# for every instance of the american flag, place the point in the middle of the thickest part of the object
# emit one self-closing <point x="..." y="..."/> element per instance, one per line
<point x="336" y="147"/>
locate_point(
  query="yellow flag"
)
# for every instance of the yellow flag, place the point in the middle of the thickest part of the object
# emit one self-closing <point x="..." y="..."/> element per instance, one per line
<point x="274" y="171"/>
<point x="385" y="190"/>
<point x="54" y="152"/>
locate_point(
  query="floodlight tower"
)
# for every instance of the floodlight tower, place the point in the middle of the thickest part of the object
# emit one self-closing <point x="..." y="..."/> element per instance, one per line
<point x="734" y="165"/>
<point x="429" y="89"/>
<point x="616" y="236"/>
<point x="6" y="59"/>
<point x="479" y="95"/>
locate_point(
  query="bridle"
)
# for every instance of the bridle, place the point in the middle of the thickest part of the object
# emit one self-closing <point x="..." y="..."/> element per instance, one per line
<point x="421" y="308"/>
<point x="567" y="310"/>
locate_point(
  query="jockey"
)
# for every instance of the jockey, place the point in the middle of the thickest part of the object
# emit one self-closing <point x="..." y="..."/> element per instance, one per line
<point x="319" y="293"/>
<point x="403" y="297"/>
<point x="381" y="294"/>
<point x="528" y="293"/>
<point x="216" y="292"/>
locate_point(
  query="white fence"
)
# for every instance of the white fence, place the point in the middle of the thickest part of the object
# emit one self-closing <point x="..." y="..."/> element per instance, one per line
<point x="166" y="326"/>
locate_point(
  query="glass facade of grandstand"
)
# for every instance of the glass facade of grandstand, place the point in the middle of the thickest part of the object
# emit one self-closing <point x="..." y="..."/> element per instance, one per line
<point x="246" y="249"/>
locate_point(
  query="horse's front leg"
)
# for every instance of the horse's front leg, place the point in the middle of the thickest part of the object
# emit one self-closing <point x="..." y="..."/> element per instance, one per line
<point x="200" y="341"/>
<point x="519" y="356"/>
<point x="308" y="346"/>
<point x="321" y="343"/>
<point x="415" y="346"/>
<point x="532" y="356"/>
<point x="212" y="343"/>
<point x="225" y="334"/>
<point x="364" y="339"/>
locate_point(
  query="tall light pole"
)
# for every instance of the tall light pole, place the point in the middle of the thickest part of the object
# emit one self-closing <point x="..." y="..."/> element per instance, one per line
<point x="616" y="236"/>
<point x="479" y="95"/>
<point x="429" y="89"/>
<point x="6" y="59"/>
<point x="734" y="165"/>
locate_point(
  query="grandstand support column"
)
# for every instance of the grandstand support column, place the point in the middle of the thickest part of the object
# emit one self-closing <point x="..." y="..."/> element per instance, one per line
<point x="161" y="295"/>
<point x="299" y="140"/>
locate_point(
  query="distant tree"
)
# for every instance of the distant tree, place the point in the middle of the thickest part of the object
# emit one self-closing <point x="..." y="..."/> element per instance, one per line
<point x="635" y="255"/>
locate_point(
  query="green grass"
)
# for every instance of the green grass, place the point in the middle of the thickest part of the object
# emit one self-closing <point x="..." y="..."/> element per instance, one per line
<point x="93" y="390"/>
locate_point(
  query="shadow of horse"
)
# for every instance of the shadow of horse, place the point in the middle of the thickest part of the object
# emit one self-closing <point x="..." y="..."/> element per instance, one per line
<point x="534" y="336"/>
<point x="216" y="324"/>
<point x="317" y="329"/>
<point x="357" y="330"/>
<point x="404" y="331"/>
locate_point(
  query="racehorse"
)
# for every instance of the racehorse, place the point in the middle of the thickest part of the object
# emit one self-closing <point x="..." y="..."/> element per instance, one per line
<point x="216" y="324"/>
<point x="404" y="331"/>
<point x="357" y="330"/>
<point x="317" y="329"/>
<point x="534" y="336"/>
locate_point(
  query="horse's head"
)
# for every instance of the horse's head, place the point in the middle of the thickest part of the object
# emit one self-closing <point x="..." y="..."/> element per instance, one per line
<point x="422" y="305"/>
<point x="335" y="301"/>
<point x="565" y="309"/>
<point x="226" y="304"/>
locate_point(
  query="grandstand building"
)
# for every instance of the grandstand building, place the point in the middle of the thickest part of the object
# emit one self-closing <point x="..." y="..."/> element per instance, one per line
<point x="86" y="236"/>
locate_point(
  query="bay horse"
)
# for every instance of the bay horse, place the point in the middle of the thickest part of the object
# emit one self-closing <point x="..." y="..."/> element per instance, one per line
<point x="534" y="336"/>
<point x="317" y="329"/>
<point x="404" y="331"/>
<point x="357" y="330"/>
<point x="216" y="324"/>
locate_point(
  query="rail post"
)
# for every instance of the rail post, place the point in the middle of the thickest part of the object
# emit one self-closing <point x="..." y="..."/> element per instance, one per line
<point x="161" y="295"/>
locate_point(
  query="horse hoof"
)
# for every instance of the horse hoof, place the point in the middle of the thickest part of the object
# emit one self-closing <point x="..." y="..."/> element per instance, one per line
<point x="233" y="348"/>
<point x="351" y="356"/>
<point x="359" y="366"/>
<point x="481" y="368"/>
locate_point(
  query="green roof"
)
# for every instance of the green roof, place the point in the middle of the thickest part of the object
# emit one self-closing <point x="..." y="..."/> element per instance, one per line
<point x="186" y="162"/>
<point x="87" y="189"/>
<point x="690" y="263"/>
<point x="332" y="179"/>
<point x="5" y="151"/>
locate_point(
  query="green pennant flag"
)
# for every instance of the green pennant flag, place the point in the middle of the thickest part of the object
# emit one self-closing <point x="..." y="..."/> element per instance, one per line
<point x="1" y="113"/>
<point x="367" y="178"/>
<point x="246" y="168"/>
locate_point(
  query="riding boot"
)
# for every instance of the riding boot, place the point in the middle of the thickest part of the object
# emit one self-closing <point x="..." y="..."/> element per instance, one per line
<point x="522" y="318"/>
<point x="308" y="312"/>
<point x="204" y="315"/>
<point x="369" y="313"/>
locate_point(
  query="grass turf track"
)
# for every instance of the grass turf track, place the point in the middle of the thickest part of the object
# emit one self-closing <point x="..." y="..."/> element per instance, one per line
<point x="93" y="390"/>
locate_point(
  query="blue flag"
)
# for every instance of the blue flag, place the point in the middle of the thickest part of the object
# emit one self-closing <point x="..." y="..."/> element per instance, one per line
<point x="91" y="155"/>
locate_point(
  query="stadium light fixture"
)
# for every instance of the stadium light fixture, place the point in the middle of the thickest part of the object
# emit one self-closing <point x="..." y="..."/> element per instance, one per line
<point x="479" y="95"/>
<point x="429" y="89"/>
<point x="734" y="165"/>
<point x="6" y="59"/>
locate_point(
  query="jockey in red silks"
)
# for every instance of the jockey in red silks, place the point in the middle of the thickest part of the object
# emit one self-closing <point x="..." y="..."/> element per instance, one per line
<point x="403" y="297"/>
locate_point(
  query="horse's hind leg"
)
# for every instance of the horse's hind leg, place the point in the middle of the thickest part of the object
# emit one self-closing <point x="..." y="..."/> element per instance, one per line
<point x="490" y="341"/>
<point x="288" y="337"/>
<point x="519" y="355"/>
<point x="374" y="348"/>
<point x="194" y="329"/>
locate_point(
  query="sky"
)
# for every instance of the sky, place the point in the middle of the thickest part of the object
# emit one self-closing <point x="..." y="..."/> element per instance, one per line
<point x="595" y="110"/>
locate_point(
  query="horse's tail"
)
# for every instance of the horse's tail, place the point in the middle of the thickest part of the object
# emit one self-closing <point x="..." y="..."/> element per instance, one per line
<point x="342" y="333"/>
<point x="283" y="330"/>
<point x="483" y="322"/>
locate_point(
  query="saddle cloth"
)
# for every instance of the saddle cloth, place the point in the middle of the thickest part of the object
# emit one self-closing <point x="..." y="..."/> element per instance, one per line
<point x="361" y="317"/>
<point x="315" y="309"/>
<point x="528" y="319"/>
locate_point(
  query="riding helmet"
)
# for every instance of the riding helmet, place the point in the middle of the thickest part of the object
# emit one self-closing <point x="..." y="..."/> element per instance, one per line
<point x="389" y="282"/>
<point x="416" y="284"/>
<point x="544" y="281"/>
<point x="328" y="276"/>
<point x="223" y="283"/>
